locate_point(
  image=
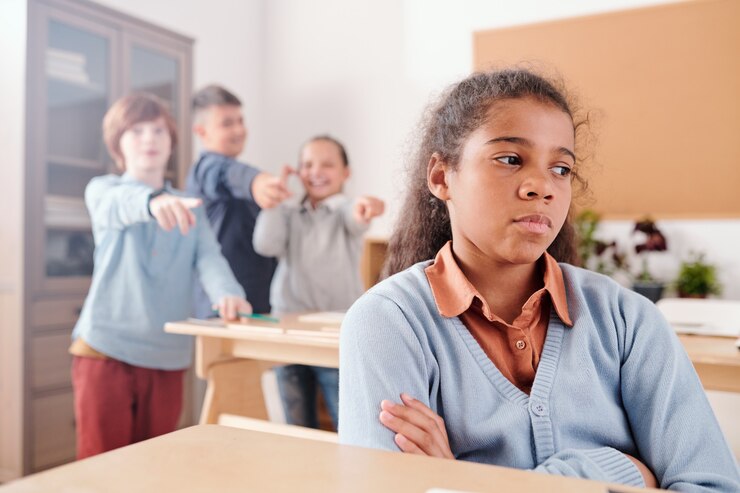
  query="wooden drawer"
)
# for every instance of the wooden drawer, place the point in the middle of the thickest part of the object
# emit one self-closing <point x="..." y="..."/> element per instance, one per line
<point x="56" y="312"/>
<point x="50" y="362"/>
<point x="53" y="430"/>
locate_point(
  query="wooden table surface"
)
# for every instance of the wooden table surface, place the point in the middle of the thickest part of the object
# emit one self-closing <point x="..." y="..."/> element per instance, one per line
<point x="716" y="360"/>
<point x="212" y="458"/>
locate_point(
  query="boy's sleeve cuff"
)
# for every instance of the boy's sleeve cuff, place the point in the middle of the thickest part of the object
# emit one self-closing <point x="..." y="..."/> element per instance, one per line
<point x="153" y="195"/>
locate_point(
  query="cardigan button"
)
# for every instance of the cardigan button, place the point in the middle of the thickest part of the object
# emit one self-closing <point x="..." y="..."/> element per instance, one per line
<point x="520" y="344"/>
<point x="538" y="408"/>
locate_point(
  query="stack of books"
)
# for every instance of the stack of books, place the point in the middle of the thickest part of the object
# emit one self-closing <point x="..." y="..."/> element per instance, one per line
<point x="68" y="66"/>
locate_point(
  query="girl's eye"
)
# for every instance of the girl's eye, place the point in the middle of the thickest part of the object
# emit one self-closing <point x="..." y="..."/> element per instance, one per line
<point x="514" y="160"/>
<point x="562" y="170"/>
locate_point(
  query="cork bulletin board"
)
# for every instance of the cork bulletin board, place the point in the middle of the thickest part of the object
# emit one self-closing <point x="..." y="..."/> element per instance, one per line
<point x="664" y="86"/>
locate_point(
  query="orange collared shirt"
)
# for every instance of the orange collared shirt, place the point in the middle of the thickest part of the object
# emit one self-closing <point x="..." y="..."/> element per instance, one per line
<point x="514" y="348"/>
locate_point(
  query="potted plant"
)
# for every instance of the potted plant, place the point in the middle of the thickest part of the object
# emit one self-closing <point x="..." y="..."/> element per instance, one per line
<point x="595" y="254"/>
<point x="644" y="282"/>
<point x="696" y="278"/>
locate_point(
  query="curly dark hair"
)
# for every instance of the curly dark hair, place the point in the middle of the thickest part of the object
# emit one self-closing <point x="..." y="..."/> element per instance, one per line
<point x="424" y="223"/>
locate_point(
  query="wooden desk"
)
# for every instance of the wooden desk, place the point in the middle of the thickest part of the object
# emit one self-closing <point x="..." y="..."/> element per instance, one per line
<point x="227" y="359"/>
<point x="217" y="458"/>
<point x="716" y="360"/>
<point x="232" y="360"/>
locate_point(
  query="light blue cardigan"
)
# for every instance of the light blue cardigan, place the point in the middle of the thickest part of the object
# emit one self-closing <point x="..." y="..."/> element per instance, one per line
<point x="617" y="382"/>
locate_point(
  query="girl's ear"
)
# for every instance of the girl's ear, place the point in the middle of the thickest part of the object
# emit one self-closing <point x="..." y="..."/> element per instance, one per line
<point x="437" y="174"/>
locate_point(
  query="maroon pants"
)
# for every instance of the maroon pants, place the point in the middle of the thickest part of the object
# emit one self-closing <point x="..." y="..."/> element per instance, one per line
<point x="118" y="404"/>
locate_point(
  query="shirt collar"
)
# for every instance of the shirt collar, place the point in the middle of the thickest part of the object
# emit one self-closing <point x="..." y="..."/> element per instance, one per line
<point x="129" y="178"/>
<point x="454" y="294"/>
<point x="332" y="203"/>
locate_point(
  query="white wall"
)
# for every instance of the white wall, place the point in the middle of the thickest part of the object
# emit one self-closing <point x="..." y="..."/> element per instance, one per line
<point x="12" y="131"/>
<point x="228" y="50"/>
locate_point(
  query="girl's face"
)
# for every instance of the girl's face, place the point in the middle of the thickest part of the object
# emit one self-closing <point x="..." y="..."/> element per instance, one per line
<point x="511" y="191"/>
<point x="146" y="147"/>
<point x="322" y="170"/>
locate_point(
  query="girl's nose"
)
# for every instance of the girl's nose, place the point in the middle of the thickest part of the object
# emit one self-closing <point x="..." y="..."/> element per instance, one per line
<point x="536" y="185"/>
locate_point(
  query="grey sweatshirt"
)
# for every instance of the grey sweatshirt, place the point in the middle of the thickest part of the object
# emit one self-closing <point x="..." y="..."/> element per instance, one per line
<point x="318" y="251"/>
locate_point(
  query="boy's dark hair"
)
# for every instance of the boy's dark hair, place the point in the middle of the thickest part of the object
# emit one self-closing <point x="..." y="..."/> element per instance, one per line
<point x="213" y="95"/>
<point x="127" y="112"/>
<point x="424" y="224"/>
<point x="329" y="138"/>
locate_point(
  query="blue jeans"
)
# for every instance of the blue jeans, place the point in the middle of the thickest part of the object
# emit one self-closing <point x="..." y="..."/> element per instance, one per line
<point x="297" y="385"/>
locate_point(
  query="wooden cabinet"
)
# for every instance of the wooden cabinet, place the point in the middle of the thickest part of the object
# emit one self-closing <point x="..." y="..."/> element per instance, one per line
<point x="80" y="58"/>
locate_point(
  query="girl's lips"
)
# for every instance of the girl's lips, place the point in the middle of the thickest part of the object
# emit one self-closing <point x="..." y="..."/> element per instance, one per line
<point x="534" y="223"/>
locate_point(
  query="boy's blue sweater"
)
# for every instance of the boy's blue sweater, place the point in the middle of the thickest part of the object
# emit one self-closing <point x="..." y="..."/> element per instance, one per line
<point x="618" y="382"/>
<point x="225" y="185"/>
<point x="143" y="276"/>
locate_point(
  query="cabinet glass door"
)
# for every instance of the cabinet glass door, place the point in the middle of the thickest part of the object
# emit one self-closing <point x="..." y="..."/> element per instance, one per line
<point x="77" y="74"/>
<point x="77" y="67"/>
<point x="159" y="74"/>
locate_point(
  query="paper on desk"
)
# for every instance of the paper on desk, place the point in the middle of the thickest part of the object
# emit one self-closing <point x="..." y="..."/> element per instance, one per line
<point x="323" y="317"/>
<point x="706" y="329"/>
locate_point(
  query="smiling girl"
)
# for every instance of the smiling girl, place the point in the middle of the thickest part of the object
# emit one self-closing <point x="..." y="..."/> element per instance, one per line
<point x="318" y="243"/>
<point x="502" y="352"/>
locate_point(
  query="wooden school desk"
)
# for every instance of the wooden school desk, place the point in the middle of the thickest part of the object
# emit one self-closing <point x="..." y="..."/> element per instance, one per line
<point x="232" y="360"/>
<point x="219" y="458"/>
<point x="226" y="358"/>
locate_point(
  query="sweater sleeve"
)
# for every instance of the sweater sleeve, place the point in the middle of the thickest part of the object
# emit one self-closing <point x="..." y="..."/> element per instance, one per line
<point x="226" y="175"/>
<point x="114" y="204"/>
<point x="351" y="225"/>
<point x="380" y="356"/>
<point x="271" y="232"/>
<point x="215" y="274"/>
<point x="601" y="464"/>
<point x="675" y="430"/>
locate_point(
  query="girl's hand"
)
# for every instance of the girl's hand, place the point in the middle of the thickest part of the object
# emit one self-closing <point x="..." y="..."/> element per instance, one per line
<point x="270" y="190"/>
<point x="419" y="430"/>
<point x="231" y="307"/>
<point x="171" y="211"/>
<point x="366" y="208"/>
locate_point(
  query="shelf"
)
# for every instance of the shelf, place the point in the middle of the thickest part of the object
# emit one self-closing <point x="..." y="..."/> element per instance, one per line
<point x="82" y="84"/>
<point x="76" y="162"/>
<point x="66" y="213"/>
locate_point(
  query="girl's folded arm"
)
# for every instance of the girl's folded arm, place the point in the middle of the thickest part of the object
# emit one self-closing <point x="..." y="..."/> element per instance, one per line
<point x="380" y="356"/>
<point x="674" y="427"/>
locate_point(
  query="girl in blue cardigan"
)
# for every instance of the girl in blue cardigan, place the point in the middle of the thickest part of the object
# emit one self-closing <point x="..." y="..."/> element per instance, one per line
<point x="502" y="352"/>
